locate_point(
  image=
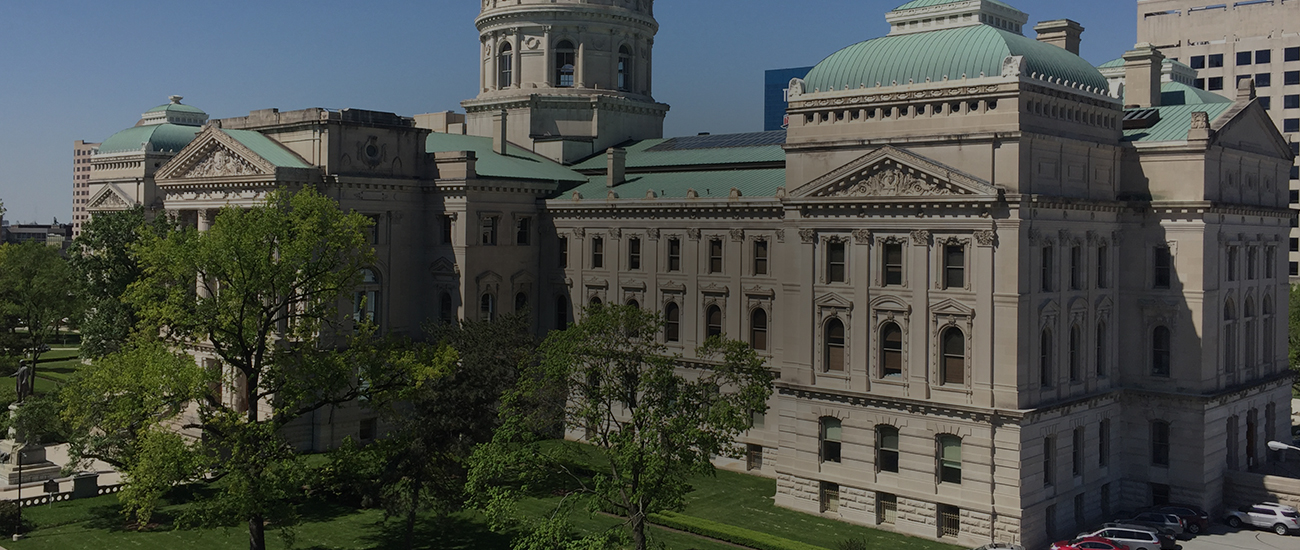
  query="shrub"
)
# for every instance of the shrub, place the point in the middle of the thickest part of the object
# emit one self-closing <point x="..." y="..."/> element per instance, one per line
<point x="10" y="516"/>
<point x="853" y="544"/>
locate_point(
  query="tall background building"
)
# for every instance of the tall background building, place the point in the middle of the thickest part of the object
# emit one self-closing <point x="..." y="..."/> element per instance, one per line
<point x="81" y="152"/>
<point x="1228" y="42"/>
<point x="776" y="95"/>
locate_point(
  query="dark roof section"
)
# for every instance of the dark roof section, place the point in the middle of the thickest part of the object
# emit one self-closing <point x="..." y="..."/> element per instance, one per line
<point x="706" y="141"/>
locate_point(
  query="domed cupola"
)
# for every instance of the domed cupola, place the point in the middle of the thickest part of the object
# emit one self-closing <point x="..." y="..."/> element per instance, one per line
<point x="167" y="128"/>
<point x="929" y="15"/>
<point x="573" y="77"/>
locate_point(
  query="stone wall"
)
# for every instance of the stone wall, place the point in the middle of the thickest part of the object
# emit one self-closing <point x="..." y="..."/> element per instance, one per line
<point x="1242" y="488"/>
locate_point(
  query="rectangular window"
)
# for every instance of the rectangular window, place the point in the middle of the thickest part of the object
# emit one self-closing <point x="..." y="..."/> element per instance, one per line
<point x="1291" y="101"/>
<point x="753" y="457"/>
<point x="489" y="231"/>
<point x="1263" y="56"/>
<point x="1103" y="266"/>
<point x="1077" y="450"/>
<point x="1243" y="58"/>
<point x="715" y="256"/>
<point x="760" y="257"/>
<point x="1291" y="125"/>
<point x="1216" y="83"/>
<point x="674" y="254"/>
<point x="1159" y="494"/>
<point x="634" y="254"/>
<point x="563" y="258"/>
<point x="1295" y="244"/>
<point x="1103" y="443"/>
<point x="830" y="497"/>
<point x="887" y="449"/>
<point x="1263" y="80"/>
<point x="954" y="266"/>
<point x="1291" y="54"/>
<point x="1216" y="60"/>
<point x="1076" y="268"/>
<point x="886" y="508"/>
<point x="1270" y="262"/>
<point x="597" y="253"/>
<point x="1159" y="443"/>
<point x="835" y="261"/>
<point x="1051" y="520"/>
<point x="893" y="264"/>
<point x="446" y="229"/>
<point x="1199" y="83"/>
<point x="1079" y="512"/>
<point x="1232" y="263"/>
<point x="1291" y="78"/>
<point x="949" y="521"/>
<point x="1197" y="62"/>
<point x="1049" y="461"/>
<point x="1047" y="260"/>
<point x="523" y="231"/>
<point x="1162" y="277"/>
<point x="1252" y="263"/>
<point x="1294" y="268"/>
<point x="1266" y="103"/>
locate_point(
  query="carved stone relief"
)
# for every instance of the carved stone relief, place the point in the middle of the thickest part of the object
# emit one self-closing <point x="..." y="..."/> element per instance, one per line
<point x="222" y="162"/>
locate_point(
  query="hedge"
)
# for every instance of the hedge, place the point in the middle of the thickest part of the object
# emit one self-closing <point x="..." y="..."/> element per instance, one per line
<point x="729" y="533"/>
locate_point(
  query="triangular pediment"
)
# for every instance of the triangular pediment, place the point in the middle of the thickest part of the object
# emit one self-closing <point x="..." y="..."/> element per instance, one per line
<point x="1252" y="130"/>
<point x="215" y="154"/>
<point x="893" y="172"/>
<point x="109" y="198"/>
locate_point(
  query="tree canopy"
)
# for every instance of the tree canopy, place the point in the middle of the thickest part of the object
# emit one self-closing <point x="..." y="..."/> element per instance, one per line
<point x="36" y="298"/>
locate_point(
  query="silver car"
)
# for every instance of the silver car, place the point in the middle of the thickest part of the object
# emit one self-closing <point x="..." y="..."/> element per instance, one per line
<point x="1282" y="519"/>
<point x="1169" y="524"/>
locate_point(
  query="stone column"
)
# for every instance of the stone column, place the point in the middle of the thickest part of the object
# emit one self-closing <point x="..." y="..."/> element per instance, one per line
<point x="493" y="51"/>
<point x="580" y="72"/>
<point x="547" y="68"/>
<point x="517" y="61"/>
<point x="204" y="222"/>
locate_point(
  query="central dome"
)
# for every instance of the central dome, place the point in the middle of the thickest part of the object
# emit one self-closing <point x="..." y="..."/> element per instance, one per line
<point x="953" y="53"/>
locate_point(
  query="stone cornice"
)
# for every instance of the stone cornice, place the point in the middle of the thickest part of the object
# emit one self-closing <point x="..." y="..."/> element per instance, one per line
<point x="528" y="15"/>
<point x="902" y="404"/>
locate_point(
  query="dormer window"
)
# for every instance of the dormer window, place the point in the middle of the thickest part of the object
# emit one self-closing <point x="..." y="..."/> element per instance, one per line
<point x="565" y="62"/>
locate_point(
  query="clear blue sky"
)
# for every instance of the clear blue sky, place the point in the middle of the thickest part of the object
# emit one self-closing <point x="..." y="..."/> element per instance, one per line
<point x="85" y="69"/>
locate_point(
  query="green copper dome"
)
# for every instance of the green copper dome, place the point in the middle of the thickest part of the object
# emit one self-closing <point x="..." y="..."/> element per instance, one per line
<point x="951" y="53"/>
<point x="157" y="137"/>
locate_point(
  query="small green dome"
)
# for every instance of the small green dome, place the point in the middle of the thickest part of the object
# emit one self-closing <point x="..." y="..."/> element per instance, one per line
<point x="950" y="53"/>
<point x="158" y="137"/>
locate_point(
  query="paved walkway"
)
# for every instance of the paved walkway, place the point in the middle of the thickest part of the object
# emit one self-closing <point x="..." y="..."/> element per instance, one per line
<point x="58" y="454"/>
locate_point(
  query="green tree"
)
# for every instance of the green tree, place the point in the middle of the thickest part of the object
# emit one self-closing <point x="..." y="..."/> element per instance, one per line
<point x="269" y="282"/>
<point x="104" y="266"/>
<point x="36" y="298"/>
<point x="654" y="421"/>
<point x="437" y="423"/>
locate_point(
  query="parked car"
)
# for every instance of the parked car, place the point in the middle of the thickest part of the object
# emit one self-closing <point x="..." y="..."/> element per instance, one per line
<point x="1136" y="537"/>
<point x="1282" y="519"/>
<point x="1001" y="546"/>
<point x="1088" y="543"/>
<point x="1165" y="522"/>
<point x="1196" y="519"/>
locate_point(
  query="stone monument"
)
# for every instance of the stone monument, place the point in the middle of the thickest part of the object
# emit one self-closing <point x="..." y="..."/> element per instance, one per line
<point x="21" y="461"/>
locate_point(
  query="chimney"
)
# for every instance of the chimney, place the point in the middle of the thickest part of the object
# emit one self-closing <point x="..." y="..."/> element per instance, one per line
<point x="1142" y="67"/>
<point x="499" y="132"/>
<point x="616" y="164"/>
<point x="1062" y="33"/>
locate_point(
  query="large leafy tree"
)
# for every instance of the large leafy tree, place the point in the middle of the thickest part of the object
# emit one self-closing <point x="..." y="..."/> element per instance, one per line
<point x="654" y="422"/>
<point x="36" y="297"/>
<point x="104" y="266"/>
<point x="269" y="282"/>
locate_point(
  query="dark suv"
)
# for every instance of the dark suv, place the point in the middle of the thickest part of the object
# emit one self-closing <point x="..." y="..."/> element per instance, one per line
<point x="1196" y="519"/>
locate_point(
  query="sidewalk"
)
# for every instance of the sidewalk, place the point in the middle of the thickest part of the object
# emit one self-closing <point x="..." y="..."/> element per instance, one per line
<point x="58" y="454"/>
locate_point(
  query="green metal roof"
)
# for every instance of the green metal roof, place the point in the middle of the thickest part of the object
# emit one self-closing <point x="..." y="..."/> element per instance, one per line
<point x="1119" y="62"/>
<point x="519" y="164"/>
<point x="698" y="150"/>
<point x="949" y="53"/>
<point x="267" y="148"/>
<point x="914" y="4"/>
<point x="715" y="184"/>
<point x="1177" y="93"/>
<point x="177" y="108"/>
<point x="1175" y="121"/>
<point x="160" y="137"/>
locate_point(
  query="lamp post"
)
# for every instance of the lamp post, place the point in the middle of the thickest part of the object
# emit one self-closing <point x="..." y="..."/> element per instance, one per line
<point x="19" y="525"/>
<point x="1280" y="446"/>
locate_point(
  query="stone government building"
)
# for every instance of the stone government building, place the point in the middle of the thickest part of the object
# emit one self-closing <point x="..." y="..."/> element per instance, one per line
<point x="1002" y="303"/>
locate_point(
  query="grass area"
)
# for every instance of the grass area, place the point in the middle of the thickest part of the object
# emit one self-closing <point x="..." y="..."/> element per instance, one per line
<point x="57" y="365"/>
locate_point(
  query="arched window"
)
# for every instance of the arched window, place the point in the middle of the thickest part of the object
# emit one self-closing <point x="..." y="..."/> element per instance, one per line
<point x="713" y="321"/>
<point x="1160" y="351"/>
<point x="949" y="451"/>
<point x="886" y="448"/>
<point x="1076" y="353"/>
<point x="505" y="66"/>
<point x="1229" y="336"/>
<point x="1102" y="358"/>
<point x="1252" y="335"/>
<point x="633" y="303"/>
<point x="829" y="439"/>
<point x="953" y="345"/>
<point x="487" y="307"/>
<point x="1045" y="373"/>
<point x="595" y="301"/>
<point x="521" y="301"/>
<point x="672" y="323"/>
<point x="758" y="329"/>
<point x="565" y="61"/>
<point x="561" y="312"/>
<point x="445" y="307"/>
<point x="891" y="350"/>
<point x="366" y="306"/>
<point x="834" y="346"/>
<point x="624" y="69"/>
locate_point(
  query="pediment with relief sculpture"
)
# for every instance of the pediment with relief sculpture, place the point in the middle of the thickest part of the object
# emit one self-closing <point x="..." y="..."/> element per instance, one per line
<point x="893" y="172"/>
<point x="216" y="154"/>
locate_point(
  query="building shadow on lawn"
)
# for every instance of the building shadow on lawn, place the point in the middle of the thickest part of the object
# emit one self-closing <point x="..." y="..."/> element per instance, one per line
<point x="453" y="533"/>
